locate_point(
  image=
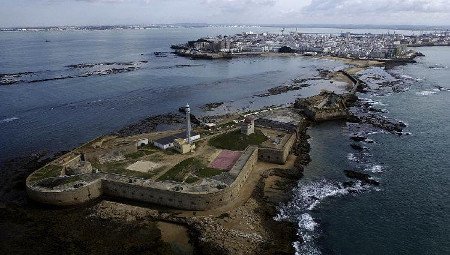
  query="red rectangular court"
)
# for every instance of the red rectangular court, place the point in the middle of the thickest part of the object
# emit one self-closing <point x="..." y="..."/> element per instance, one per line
<point x="225" y="160"/>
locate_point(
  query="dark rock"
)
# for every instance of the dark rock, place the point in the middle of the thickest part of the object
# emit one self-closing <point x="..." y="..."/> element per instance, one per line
<point x="348" y="184"/>
<point x="357" y="147"/>
<point x="361" y="176"/>
<point x="358" y="138"/>
<point x="211" y="106"/>
<point x="149" y="124"/>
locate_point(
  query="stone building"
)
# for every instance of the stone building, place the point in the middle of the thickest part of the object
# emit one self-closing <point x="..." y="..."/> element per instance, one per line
<point x="182" y="146"/>
<point x="75" y="164"/>
<point x="277" y="150"/>
<point x="248" y="126"/>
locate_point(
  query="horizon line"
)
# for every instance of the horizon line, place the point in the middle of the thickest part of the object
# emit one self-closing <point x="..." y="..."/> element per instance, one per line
<point x="202" y="24"/>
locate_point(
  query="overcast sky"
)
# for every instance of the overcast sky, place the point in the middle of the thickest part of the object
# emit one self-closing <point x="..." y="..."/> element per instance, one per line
<point x="110" y="12"/>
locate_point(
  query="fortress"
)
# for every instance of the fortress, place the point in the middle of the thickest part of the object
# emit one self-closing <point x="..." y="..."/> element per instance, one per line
<point x="210" y="173"/>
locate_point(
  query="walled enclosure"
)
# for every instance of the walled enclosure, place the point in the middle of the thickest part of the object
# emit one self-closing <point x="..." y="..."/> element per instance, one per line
<point x="277" y="156"/>
<point x="138" y="189"/>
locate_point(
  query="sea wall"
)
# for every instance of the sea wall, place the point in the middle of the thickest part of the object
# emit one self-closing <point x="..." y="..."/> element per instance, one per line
<point x="186" y="200"/>
<point x="118" y="186"/>
<point x="73" y="196"/>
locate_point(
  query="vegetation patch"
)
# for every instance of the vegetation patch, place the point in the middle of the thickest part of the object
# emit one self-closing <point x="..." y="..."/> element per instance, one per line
<point x="207" y="172"/>
<point x="139" y="154"/>
<point x="236" y="141"/>
<point x="45" y="172"/>
<point x="227" y="124"/>
<point x="184" y="170"/>
<point x="130" y="173"/>
<point x="191" y="179"/>
<point x="60" y="181"/>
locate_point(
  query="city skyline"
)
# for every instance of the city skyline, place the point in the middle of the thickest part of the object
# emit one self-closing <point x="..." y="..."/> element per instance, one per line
<point x="113" y="12"/>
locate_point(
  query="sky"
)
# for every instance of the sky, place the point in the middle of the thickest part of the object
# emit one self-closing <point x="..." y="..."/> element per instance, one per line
<point x="16" y="13"/>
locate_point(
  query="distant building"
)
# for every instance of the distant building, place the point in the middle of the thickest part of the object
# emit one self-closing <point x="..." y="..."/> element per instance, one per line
<point x="248" y="126"/>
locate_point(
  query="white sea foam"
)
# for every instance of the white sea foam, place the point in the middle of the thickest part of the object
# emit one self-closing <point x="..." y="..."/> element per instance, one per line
<point x="371" y="101"/>
<point x="375" y="169"/>
<point x="306" y="249"/>
<point x="8" y="120"/>
<point x="306" y="197"/>
<point x="352" y="157"/>
<point x="425" y="93"/>
<point x="307" y="222"/>
<point x="407" y="77"/>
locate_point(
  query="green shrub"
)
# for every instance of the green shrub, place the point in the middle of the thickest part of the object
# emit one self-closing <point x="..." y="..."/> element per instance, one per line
<point x="45" y="172"/>
<point x="236" y="141"/>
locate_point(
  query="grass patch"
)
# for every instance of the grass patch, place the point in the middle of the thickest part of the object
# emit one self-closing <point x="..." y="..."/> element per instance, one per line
<point x="61" y="181"/>
<point x="236" y="141"/>
<point x="136" y="174"/>
<point x="45" y="172"/>
<point x="191" y="179"/>
<point x="207" y="172"/>
<point x="189" y="166"/>
<point x="139" y="154"/>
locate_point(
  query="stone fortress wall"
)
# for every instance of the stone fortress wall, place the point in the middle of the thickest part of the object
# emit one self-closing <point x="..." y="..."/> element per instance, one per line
<point x="126" y="187"/>
<point x="74" y="196"/>
<point x="277" y="156"/>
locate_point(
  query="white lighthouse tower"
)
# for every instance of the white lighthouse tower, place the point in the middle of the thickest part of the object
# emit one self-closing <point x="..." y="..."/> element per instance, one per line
<point x="188" y="123"/>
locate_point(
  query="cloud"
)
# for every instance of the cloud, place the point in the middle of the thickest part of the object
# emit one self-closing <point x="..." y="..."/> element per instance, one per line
<point x="238" y="6"/>
<point x="377" y="6"/>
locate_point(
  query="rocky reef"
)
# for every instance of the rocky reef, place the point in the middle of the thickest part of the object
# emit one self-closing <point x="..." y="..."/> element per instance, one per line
<point x="72" y="71"/>
<point x="325" y="106"/>
<point x="365" y="178"/>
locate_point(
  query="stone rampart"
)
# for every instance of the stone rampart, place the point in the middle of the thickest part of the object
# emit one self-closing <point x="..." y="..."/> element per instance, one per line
<point x="140" y="190"/>
<point x="72" y="196"/>
<point x="277" y="156"/>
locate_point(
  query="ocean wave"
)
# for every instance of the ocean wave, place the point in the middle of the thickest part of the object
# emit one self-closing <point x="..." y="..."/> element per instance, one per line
<point x="375" y="169"/>
<point x="426" y="93"/>
<point x="407" y="77"/>
<point x="307" y="222"/>
<point x="306" y="198"/>
<point x="306" y="249"/>
<point x="9" y="120"/>
<point x="352" y="157"/>
<point x="371" y="101"/>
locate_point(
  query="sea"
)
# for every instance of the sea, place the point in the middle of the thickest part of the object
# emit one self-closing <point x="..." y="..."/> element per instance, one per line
<point x="66" y="95"/>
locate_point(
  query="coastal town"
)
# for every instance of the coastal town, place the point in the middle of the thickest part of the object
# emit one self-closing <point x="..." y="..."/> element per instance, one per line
<point x="346" y="45"/>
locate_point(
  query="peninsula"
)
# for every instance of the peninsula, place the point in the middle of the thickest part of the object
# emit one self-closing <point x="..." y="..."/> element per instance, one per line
<point x="385" y="47"/>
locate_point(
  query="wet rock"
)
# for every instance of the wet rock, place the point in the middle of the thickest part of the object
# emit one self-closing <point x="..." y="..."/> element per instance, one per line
<point x="348" y="184"/>
<point x="357" y="147"/>
<point x="383" y="123"/>
<point x="358" y="138"/>
<point x="280" y="90"/>
<point x="160" y="54"/>
<point x="211" y="106"/>
<point x="149" y="124"/>
<point x="361" y="176"/>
